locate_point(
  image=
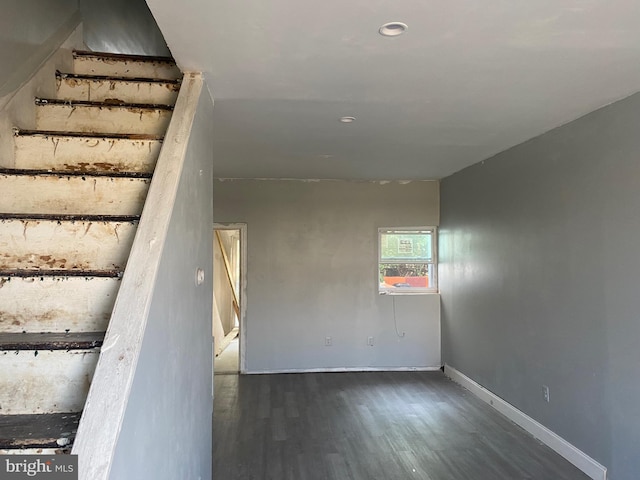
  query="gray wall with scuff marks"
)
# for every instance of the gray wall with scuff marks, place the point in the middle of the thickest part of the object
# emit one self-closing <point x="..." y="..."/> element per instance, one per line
<point x="539" y="270"/>
<point x="121" y="26"/>
<point x="312" y="273"/>
<point x="166" y="433"/>
<point x="31" y="30"/>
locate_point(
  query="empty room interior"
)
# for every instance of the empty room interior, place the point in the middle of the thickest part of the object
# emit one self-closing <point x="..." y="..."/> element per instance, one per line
<point x="402" y="239"/>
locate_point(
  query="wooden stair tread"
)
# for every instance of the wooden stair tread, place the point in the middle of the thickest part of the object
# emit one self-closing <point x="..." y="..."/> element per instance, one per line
<point x="84" y="76"/>
<point x="63" y="149"/>
<point x="52" y="430"/>
<point x="23" y="273"/>
<point x="124" y="56"/>
<point x="51" y="341"/>
<point x="70" y="218"/>
<point x="115" y="136"/>
<point x="84" y="103"/>
<point x="74" y="173"/>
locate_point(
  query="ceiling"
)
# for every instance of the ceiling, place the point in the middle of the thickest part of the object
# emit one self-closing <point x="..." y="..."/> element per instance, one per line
<point x="467" y="80"/>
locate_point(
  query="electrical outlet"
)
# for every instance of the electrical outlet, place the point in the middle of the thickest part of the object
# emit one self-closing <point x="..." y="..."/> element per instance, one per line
<point x="545" y="393"/>
<point x="370" y="341"/>
<point x="328" y="341"/>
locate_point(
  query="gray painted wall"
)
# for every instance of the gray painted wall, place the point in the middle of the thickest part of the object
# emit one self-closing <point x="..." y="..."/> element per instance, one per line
<point x="312" y="273"/>
<point x="539" y="280"/>
<point x="167" y="426"/>
<point x="31" y="31"/>
<point x="121" y="26"/>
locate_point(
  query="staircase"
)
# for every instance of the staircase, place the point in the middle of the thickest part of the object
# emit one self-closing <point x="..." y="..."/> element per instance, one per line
<point x="69" y="209"/>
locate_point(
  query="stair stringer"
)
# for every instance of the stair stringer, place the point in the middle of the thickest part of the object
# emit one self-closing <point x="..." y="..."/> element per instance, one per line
<point x="106" y="404"/>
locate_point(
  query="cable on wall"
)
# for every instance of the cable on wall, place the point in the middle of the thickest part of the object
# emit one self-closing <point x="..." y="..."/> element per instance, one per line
<point x="395" y="320"/>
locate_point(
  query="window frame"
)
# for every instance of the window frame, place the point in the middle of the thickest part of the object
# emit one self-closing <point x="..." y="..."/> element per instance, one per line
<point x="433" y="264"/>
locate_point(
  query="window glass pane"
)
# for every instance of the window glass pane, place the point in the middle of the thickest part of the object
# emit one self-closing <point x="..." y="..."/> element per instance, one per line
<point x="410" y="246"/>
<point x="399" y="276"/>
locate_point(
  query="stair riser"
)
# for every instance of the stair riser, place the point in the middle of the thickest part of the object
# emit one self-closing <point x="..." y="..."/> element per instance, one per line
<point x="50" y="245"/>
<point x="102" y="119"/>
<point x="85" y="154"/>
<point x="117" y="90"/>
<point x="125" y="68"/>
<point x="72" y="195"/>
<point x="50" y="382"/>
<point x="33" y="451"/>
<point x="56" y="304"/>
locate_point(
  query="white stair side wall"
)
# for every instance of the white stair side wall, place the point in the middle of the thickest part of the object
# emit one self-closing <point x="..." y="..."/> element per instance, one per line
<point x="85" y="153"/>
<point x="16" y="109"/>
<point x="56" y="304"/>
<point x="51" y="245"/>
<point x="100" y="90"/>
<point x="50" y="382"/>
<point x="72" y="195"/>
<point x="102" y="119"/>
<point x="125" y="68"/>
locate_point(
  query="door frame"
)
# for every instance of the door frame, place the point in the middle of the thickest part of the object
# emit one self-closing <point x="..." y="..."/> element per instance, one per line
<point x="242" y="343"/>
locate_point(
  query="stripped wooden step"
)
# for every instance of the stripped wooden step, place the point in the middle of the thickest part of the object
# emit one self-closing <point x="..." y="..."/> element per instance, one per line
<point x="101" y="117"/>
<point x="85" y="152"/>
<point x="56" y="303"/>
<point x="45" y="381"/>
<point x="69" y="211"/>
<point x="50" y="341"/>
<point x="31" y="192"/>
<point x="39" y="434"/>
<point x="133" y="66"/>
<point x="92" y="88"/>
<point x="64" y="246"/>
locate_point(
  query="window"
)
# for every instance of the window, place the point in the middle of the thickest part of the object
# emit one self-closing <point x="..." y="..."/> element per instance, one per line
<point x="407" y="260"/>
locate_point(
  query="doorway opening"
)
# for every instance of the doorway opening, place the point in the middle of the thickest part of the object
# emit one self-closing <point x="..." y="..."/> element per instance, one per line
<point x="229" y="297"/>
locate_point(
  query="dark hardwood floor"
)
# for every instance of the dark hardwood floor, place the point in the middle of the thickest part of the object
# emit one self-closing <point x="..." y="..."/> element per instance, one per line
<point x="365" y="426"/>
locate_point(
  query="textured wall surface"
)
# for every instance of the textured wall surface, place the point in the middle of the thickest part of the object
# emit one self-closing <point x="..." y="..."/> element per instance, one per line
<point x="539" y="270"/>
<point x="312" y="273"/>
<point x="121" y="26"/>
<point x="31" y="31"/>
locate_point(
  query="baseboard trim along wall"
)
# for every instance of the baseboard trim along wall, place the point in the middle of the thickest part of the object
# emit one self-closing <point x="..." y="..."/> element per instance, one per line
<point x="343" y="369"/>
<point x="577" y="457"/>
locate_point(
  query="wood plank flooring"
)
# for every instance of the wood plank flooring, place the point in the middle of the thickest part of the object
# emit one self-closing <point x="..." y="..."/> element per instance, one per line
<point x="369" y="426"/>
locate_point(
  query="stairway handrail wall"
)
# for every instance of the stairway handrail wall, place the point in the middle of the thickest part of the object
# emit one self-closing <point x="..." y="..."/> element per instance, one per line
<point x="106" y="403"/>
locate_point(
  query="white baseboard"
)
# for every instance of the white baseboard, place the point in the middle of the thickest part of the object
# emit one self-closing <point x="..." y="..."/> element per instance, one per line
<point x="344" y="369"/>
<point x="577" y="457"/>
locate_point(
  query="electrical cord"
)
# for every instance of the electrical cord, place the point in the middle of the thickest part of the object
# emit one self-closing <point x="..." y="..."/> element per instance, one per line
<point x="395" y="320"/>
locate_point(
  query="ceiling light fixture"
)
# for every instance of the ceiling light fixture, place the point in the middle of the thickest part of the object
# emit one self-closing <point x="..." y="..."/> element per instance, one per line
<point x="393" y="29"/>
<point x="347" y="119"/>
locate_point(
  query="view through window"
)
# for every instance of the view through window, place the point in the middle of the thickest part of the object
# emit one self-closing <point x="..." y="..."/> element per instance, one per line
<point x="406" y="260"/>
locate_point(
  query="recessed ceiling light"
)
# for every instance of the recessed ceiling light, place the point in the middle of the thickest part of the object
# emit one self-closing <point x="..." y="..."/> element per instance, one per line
<point x="393" y="29"/>
<point x="348" y="119"/>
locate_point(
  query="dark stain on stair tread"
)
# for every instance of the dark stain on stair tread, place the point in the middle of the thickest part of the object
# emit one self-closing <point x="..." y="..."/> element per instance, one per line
<point x="50" y="341"/>
<point x="74" y="173"/>
<point x="125" y="56"/>
<point x="10" y="273"/>
<point x="37" y="430"/>
<point x="105" y="136"/>
<point x="85" y="103"/>
<point x="106" y="78"/>
<point x="71" y="218"/>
